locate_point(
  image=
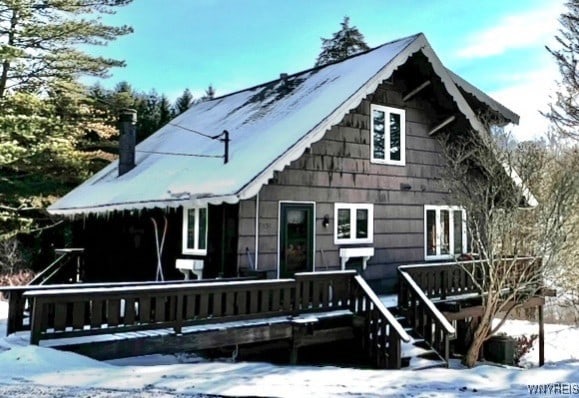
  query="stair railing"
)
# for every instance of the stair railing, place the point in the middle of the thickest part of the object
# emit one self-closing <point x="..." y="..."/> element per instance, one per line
<point x="423" y="316"/>
<point x="382" y="332"/>
<point x="65" y="258"/>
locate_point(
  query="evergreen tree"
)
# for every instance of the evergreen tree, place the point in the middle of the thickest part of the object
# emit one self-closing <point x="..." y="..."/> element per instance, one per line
<point x="564" y="112"/>
<point x="40" y="41"/>
<point x="182" y="103"/>
<point x="165" y="111"/>
<point x="209" y="93"/>
<point x="344" y="43"/>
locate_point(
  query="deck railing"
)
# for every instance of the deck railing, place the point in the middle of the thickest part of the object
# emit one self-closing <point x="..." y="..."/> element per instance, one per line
<point x="93" y="311"/>
<point x="423" y="316"/>
<point x="382" y="333"/>
<point x="442" y="280"/>
<point x="86" y="311"/>
<point x="19" y="307"/>
<point x="82" y="311"/>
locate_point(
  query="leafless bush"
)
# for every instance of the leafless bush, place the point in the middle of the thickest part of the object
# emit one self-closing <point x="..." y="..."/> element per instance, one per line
<point x="12" y="260"/>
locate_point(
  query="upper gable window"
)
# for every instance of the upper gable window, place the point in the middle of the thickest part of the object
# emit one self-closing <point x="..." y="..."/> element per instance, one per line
<point x="195" y="230"/>
<point x="388" y="143"/>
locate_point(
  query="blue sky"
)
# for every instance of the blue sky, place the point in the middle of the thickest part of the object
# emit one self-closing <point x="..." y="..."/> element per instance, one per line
<point x="498" y="45"/>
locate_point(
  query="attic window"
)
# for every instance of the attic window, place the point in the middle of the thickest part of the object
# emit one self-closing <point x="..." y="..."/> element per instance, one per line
<point x="195" y="230"/>
<point x="388" y="127"/>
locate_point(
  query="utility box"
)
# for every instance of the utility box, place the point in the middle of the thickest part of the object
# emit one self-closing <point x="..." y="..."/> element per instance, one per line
<point x="500" y="349"/>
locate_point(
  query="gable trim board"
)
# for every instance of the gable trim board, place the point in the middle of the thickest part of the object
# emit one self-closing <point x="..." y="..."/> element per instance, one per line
<point x="107" y="192"/>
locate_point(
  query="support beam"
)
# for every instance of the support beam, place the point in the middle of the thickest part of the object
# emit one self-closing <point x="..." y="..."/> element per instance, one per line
<point x="445" y="123"/>
<point x="416" y="90"/>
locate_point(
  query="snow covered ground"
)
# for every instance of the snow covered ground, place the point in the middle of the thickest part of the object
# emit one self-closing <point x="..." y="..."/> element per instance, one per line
<point x="28" y="371"/>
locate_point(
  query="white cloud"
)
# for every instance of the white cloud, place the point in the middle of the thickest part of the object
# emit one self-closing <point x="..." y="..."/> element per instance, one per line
<point x="526" y="29"/>
<point x="529" y="94"/>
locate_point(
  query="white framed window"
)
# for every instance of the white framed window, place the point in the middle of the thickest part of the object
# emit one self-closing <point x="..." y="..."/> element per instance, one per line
<point x="444" y="232"/>
<point x="195" y="230"/>
<point x="353" y="223"/>
<point x="388" y="135"/>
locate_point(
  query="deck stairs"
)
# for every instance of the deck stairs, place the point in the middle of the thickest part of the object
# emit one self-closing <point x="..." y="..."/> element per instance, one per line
<point x="417" y="354"/>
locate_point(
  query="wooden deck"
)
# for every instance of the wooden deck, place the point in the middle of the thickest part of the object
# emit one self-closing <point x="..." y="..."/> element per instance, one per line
<point x="115" y="321"/>
<point x="435" y="301"/>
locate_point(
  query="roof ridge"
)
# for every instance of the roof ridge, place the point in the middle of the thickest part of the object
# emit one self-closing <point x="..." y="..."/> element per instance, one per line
<point x="315" y="68"/>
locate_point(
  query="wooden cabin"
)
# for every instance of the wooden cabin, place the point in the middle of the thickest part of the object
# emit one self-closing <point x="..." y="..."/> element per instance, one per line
<point x="327" y="182"/>
<point x="337" y="167"/>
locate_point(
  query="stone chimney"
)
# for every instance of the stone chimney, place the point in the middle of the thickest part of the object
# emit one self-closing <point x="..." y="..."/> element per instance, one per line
<point x="127" y="140"/>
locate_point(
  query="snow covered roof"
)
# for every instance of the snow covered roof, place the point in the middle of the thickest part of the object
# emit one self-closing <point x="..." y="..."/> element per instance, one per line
<point x="270" y="125"/>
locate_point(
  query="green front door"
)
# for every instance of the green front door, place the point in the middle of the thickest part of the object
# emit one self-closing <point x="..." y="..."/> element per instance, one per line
<point x="296" y="238"/>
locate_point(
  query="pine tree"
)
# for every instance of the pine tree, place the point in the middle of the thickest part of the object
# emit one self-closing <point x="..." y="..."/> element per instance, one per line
<point x="209" y="93"/>
<point x="165" y="111"/>
<point x="564" y="112"/>
<point x="344" y="43"/>
<point x="182" y="103"/>
<point x="41" y="39"/>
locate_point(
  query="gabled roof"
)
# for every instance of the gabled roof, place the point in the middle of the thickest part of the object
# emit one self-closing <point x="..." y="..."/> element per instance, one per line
<point x="484" y="98"/>
<point x="270" y="125"/>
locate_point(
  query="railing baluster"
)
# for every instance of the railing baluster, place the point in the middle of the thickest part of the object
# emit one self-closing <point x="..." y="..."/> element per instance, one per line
<point x="130" y="314"/>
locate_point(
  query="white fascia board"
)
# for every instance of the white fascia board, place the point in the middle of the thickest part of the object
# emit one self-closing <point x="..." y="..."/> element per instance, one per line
<point x="140" y="206"/>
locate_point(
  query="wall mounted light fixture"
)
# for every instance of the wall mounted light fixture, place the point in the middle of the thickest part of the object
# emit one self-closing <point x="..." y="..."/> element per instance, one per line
<point x="326" y="221"/>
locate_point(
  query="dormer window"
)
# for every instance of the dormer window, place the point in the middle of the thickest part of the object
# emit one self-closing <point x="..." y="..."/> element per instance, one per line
<point x="388" y="129"/>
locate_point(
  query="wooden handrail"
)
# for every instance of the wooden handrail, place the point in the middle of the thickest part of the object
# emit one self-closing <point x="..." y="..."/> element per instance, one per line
<point x="423" y="316"/>
<point x="429" y="304"/>
<point x="441" y="280"/>
<point x="382" y="308"/>
<point x="382" y="333"/>
<point x="50" y="270"/>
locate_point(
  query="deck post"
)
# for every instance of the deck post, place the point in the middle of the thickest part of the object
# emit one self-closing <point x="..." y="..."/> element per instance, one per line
<point x="541" y="336"/>
<point x="298" y="331"/>
<point x="36" y="321"/>
<point x="179" y="314"/>
<point x="15" y="311"/>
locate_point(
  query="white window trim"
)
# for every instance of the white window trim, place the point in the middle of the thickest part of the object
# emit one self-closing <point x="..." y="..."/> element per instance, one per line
<point x="387" y="111"/>
<point x="194" y="250"/>
<point x="353" y="207"/>
<point x="437" y="209"/>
